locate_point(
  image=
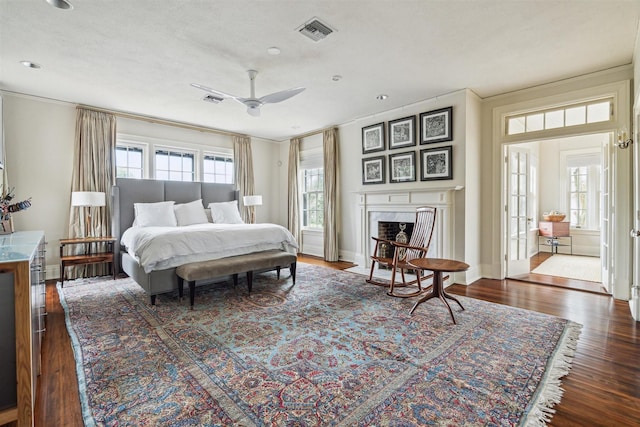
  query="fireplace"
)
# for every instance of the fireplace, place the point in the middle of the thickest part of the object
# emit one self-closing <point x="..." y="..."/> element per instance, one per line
<point x="399" y="207"/>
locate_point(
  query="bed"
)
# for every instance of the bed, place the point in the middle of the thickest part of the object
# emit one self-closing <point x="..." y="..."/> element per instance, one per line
<point x="158" y="275"/>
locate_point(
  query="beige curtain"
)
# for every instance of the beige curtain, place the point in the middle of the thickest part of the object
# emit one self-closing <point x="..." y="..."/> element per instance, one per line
<point x="93" y="170"/>
<point x="330" y="148"/>
<point x="293" y="217"/>
<point x="243" y="164"/>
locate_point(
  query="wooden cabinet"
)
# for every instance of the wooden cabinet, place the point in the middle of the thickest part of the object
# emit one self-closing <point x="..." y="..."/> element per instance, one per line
<point x="554" y="229"/>
<point x="22" y="320"/>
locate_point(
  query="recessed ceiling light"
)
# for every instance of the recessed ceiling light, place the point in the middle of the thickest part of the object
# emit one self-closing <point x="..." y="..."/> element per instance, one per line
<point x="382" y="97"/>
<point x="336" y="77"/>
<point x="60" y="4"/>
<point x="273" y="50"/>
<point x="30" y="64"/>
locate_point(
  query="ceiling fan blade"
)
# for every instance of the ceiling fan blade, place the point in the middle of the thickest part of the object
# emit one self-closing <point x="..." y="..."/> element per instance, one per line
<point x="214" y="91"/>
<point x="280" y="96"/>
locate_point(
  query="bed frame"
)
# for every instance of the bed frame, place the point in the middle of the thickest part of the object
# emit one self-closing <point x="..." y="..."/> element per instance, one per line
<point x="126" y="192"/>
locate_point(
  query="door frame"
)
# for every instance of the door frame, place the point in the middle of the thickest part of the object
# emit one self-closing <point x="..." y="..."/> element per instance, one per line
<point x="621" y="244"/>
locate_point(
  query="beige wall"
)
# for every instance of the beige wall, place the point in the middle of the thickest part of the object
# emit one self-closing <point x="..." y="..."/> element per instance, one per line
<point x="492" y="207"/>
<point x="39" y="141"/>
<point x="39" y="147"/>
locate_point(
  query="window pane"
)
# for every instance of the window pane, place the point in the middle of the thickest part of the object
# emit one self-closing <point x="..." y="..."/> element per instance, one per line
<point x="598" y="112"/>
<point x="575" y="116"/>
<point x="516" y="125"/>
<point x="554" y="119"/>
<point x="535" y="122"/>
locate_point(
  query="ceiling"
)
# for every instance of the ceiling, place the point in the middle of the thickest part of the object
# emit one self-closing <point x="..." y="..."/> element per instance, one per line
<point x="141" y="56"/>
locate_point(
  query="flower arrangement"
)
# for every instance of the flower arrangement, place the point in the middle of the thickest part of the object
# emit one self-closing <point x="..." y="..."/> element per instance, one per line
<point x="7" y="208"/>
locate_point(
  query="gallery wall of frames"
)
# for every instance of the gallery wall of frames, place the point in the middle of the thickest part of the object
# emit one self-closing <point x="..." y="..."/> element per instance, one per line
<point x="389" y="151"/>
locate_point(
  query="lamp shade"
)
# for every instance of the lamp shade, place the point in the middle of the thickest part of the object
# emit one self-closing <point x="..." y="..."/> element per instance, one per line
<point x="252" y="200"/>
<point x="87" y="198"/>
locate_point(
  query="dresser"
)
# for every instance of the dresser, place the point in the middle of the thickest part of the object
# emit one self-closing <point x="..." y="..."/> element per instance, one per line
<point x="22" y="323"/>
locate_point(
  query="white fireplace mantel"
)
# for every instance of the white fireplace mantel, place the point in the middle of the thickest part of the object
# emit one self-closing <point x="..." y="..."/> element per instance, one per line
<point x="400" y="205"/>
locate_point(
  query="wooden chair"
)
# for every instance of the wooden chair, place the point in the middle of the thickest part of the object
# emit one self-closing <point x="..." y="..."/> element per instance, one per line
<point x="403" y="253"/>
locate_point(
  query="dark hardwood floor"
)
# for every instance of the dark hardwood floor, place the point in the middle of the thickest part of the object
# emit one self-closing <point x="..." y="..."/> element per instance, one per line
<point x="543" y="279"/>
<point x="602" y="389"/>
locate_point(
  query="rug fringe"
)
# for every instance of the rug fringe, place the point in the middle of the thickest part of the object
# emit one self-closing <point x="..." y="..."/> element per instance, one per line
<point x="550" y="390"/>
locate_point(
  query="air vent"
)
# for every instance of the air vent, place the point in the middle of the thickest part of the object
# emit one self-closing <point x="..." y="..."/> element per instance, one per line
<point x="212" y="98"/>
<point x="315" y="30"/>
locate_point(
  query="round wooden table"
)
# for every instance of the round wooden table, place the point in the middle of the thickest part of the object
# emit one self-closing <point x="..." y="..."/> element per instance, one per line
<point x="439" y="266"/>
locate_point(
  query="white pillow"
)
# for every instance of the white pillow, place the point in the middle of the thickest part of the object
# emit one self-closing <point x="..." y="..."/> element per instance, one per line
<point x="225" y="213"/>
<point x="158" y="214"/>
<point x="190" y="213"/>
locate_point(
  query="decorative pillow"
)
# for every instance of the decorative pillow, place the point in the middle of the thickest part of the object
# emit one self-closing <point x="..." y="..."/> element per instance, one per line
<point x="225" y="213"/>
<point x="190" y="213"/>
<point x="158" y="214"/>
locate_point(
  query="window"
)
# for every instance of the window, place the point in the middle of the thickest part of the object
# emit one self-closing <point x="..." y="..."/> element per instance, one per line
<point x="217" y="168"/>
<point x="313" y="198"/>
<point x="583" y="177"/>
<point x="174" y="165"/>
<point x="129" y="161"/>
<point x="571" y="115"/>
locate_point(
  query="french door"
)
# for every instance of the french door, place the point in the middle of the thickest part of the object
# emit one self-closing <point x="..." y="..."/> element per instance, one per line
<point x="517" y="210"/>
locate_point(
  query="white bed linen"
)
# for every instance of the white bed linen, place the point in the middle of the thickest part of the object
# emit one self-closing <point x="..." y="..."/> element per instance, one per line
<point x="159" y="248"/>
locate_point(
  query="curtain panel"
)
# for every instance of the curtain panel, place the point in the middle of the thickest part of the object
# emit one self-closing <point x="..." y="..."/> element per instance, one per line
<point x="293" y="214"/>
<point x="243" y="165"/>
<point x="93" y="170"/>
<point x="330" y="148"/>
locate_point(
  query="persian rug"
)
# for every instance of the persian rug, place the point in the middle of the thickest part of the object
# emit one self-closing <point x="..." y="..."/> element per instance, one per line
<point x="330" y="350"/>
<point x="572" y="267"/>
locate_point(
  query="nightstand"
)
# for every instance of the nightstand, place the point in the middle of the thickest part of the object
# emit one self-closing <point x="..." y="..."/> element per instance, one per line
<point x="90" y="255"/>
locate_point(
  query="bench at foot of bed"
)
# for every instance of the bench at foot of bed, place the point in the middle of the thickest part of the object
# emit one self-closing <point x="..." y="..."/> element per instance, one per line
<point x="257" y="261"/>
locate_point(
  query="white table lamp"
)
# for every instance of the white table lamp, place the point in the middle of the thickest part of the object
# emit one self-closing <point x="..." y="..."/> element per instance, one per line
<point x="87" y="199"/>
<point x="251" y="201"/>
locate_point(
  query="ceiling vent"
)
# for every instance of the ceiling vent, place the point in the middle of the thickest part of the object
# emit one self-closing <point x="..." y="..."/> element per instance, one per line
<point x="315" y="30"/>
<point x="213" y="99"/>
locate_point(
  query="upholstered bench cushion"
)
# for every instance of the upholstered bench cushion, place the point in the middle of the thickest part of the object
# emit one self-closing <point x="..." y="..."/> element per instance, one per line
<point x="235" y="264"/>
<point x="257" y="261"/>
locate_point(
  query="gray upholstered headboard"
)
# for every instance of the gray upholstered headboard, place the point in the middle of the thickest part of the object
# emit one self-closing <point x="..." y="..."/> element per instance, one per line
<point x="127" y="191"/>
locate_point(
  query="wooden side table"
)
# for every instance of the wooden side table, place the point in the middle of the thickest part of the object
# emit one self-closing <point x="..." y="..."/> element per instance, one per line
<point x="439" y="266"/>
<point x="89" y="256"/>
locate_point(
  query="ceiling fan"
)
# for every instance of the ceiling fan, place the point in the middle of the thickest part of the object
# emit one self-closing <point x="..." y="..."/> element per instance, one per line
<point x="252" y="103"/>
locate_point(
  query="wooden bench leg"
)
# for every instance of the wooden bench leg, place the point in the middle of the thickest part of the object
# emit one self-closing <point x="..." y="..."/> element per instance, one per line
<point x="192" y="292"/>
<point x="292" y="269"/>
<point x="278" y="272"/>
<point x="153" y="300"/>
<point x="235" y="280"/>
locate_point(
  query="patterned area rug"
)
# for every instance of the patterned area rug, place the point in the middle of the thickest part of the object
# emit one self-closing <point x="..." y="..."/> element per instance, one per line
<point x="330" y="350"/>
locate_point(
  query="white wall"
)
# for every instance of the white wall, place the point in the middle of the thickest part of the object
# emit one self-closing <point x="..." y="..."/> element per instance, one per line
<point x="465" y="160"/>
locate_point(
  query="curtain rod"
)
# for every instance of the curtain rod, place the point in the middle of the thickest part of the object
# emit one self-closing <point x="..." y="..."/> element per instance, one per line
<point x="160" y="121"/>
<point x="314" y="132"/>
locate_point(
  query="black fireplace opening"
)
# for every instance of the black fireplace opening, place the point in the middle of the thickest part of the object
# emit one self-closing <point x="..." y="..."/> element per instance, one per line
<point x="395" y="231"/>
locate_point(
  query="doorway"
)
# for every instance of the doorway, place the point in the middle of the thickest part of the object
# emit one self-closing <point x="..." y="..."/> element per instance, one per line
<point x="567" y="175"/>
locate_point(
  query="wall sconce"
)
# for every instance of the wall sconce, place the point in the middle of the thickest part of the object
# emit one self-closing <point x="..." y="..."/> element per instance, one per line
<point x="623" y="142"/>
<point x="250" y="202"/>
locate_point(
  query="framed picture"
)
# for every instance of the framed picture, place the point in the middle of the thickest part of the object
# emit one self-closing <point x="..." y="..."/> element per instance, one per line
<point x="402" y="167"/>
<point x="436" y="126"/>
<point x="436" y="163"/>
<point x="402" y="132"/>
<point x="373" y="138"/>
<point x="373" y="170"/>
